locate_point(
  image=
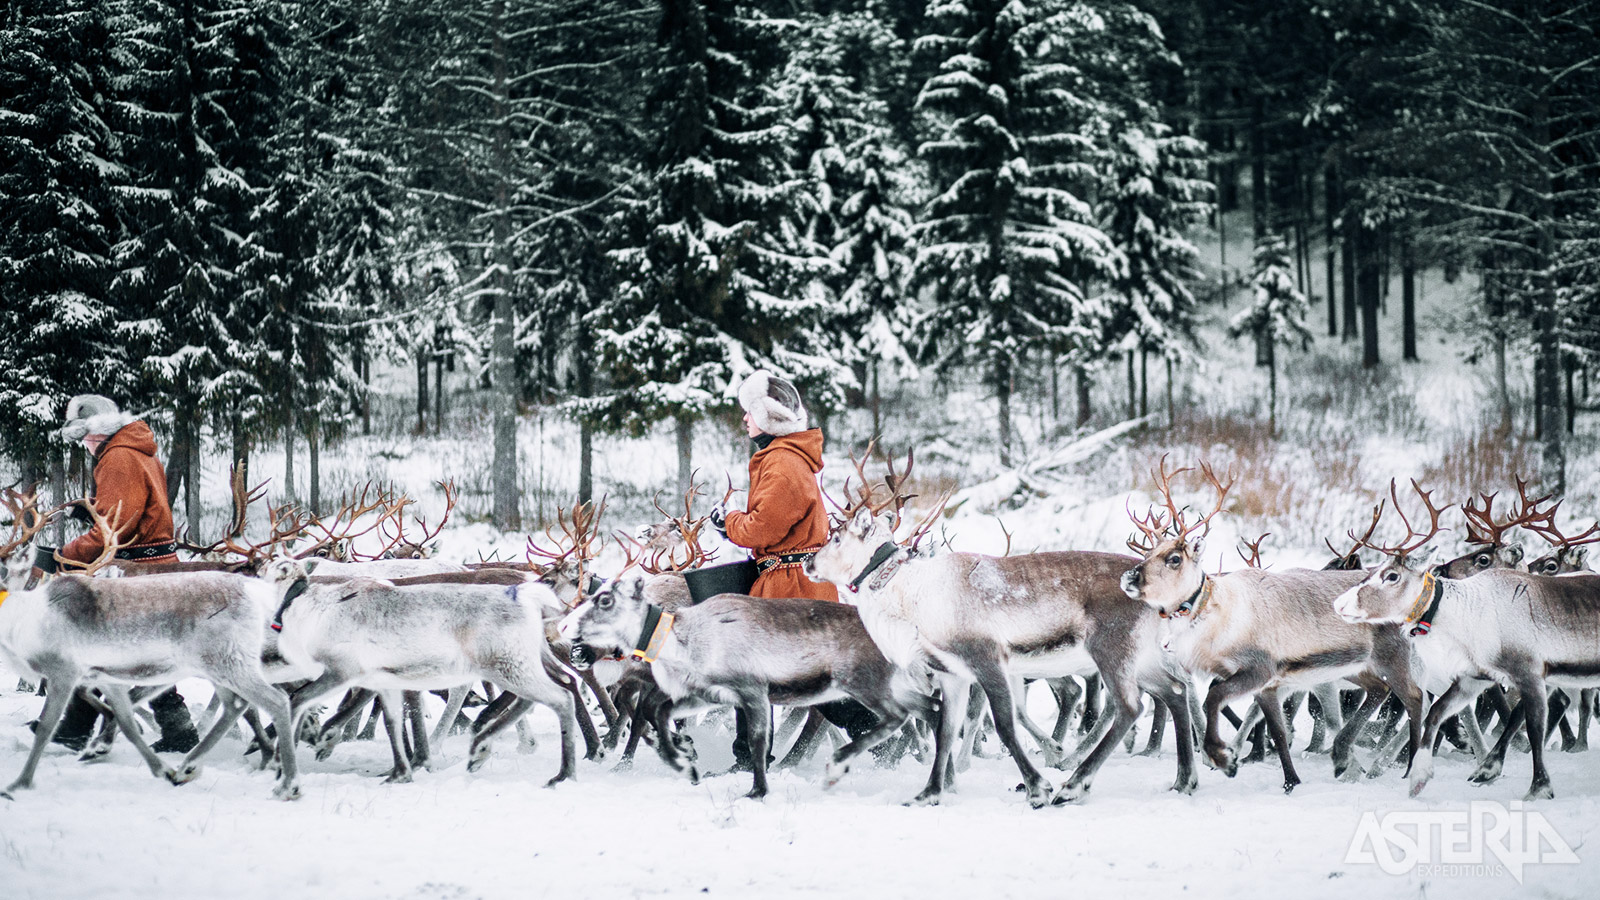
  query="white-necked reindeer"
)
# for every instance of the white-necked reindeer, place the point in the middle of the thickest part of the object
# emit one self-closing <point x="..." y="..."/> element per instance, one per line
<point x="1524" y="630"/>
<point x="989" y="620"/>
<point x="1256" y="632"/>
<point x="373" y="634"/>
<point x="115" y="633"/>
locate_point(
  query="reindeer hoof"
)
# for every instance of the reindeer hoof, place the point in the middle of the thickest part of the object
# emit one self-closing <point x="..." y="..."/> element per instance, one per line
<point x="694" y="775"/>
<point x="1289" y="786"/>
<point x="323" y="751"/>
<point x="560" y="777"/>
<point x="1540" y="791"/>
<point x="94" y="753"/>
<point x="1070" y="793"/>
<point x="398" y="778"/>
<point x="1417" y="784"/>
<point x="833" y="773"/>
<point x="624" y="764"/>
<point x="184" y="775"/>
<point x="1348" y="773"/>
<point x="756" y="793"/>
<point x="1485" y="775"/>
<point x="286" y="792"/>
<point x="926" y="798"/>
<point x="1185" y="787"/>
<point x="1039" y="794"/>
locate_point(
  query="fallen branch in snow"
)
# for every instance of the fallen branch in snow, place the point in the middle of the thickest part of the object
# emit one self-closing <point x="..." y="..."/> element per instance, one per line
<point x="1030" y="476"/>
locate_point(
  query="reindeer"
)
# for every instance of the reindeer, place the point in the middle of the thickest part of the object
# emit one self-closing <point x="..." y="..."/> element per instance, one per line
<point x="750" y="653"/>
<point x="1501" y="625"/>
<point x="119" y="632"/>
<point x="969" y="618"/>
<point x="373" y="634"/>
<point x="1257" y="632"/>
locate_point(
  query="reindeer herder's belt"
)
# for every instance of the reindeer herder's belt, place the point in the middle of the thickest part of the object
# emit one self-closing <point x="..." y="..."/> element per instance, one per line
<point x="785" y="560"/>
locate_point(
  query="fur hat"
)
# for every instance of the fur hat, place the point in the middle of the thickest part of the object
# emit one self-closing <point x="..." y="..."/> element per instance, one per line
<point x="773" y="404"/>
<point x="92" y="414"/>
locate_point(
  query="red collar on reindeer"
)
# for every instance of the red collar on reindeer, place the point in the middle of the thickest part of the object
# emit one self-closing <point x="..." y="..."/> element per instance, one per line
<point x="1196" y="602"/>
<point x="1427" y="606"/>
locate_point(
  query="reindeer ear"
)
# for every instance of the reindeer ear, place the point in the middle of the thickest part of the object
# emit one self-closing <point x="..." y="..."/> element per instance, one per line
<point x="1435" y="557"/>
<point x="1197" y="548"/>
<point x="1579" y="556"/>
<point x="1513" y="552"/>
<point x="861" y="524"/>
<point x="311" y="565"/>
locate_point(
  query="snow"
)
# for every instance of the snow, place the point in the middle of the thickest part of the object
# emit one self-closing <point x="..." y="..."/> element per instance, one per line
<point x="111" y="830"/>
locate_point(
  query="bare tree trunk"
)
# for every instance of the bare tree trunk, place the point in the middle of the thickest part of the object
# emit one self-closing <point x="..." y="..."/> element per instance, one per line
<point x="288" y="460"/>
<point x="1330" y="188"/>
<point x="58" y="485"/>
<point x="191" y="484"/>
<point x="1172" y="410"/>
<point x="314" y="464"/>
<point x="1002" y="386"/>
<point x="1133" y="384"/>
<point x="585" y="376"/>
<point x="422" y="391"/>
<point x="1369" y="280"/>
<point x="1272" y="393"/>
<point x="1408" y="302"/>
<point x="685" y="452"/>
<point x="1080" y="377"/>
<point x="1144" y="382"/>
<point x="1348" y="257"/>
<point x="877" y="401"/>
<point x="503" y="352"/>
<point x="438" y="394"/>
<point x="366" y="390"/>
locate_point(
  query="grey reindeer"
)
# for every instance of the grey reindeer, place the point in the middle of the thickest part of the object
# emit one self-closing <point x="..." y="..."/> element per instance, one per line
<point x="990" y="621"/>
<point x="117" y="633"/>
<point x="1256" y="633"/>
<point x="390" y="638"/>
<point x="734" y="650"/>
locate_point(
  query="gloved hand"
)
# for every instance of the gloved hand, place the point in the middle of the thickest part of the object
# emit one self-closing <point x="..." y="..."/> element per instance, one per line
<point x="719" y="519"/>
<point x="44" y="559"/>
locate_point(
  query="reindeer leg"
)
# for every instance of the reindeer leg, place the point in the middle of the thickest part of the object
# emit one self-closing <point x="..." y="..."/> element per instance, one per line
<point x="1246" y="681"/>
<point x="422" y="755"/>
<point x="458" y="696"/>
<point x="758" y="718"/>
<point x="248" y="683"/>
<point x="1068" y="692"/>
<point x="1532" y="685"/>
<point x="806" y="743"/>
<point x="1175" y="697"/>
<point x="1345" y="767"/>
<point x="116" y="696"/>
<point x="1272" y="708"/>
<point x="58" y="692"/>
<point x="1158" y="728"/>
<point x="985" y="664"/>
<point x="890" y="715"/>
<point x="952" y="712"/>
<point x="491" y="722"/>
<point x="1122" y="694"/>
<point x="607" y="708"/>
<point x="1053" y="751"/>
<point x="231" y="706"/>
<point x="394" y="725"/>
<point x="1495" y="761"/>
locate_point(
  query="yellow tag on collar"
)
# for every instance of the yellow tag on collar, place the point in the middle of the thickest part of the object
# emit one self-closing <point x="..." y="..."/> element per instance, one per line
<point x="657" y="639"/>
<point x="4" y="595"/>
<point x="1420" y="608"/>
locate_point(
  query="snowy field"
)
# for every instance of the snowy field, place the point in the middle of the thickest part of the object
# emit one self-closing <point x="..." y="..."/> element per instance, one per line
<point x="110" y="830"/>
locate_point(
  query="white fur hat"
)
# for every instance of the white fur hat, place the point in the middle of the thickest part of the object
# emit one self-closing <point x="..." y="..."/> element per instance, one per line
<point x="92" y="414"/>
<point x="773" y="404"/>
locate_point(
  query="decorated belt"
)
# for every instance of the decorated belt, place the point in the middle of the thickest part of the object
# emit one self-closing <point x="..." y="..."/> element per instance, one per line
<point x="146" y="552"/>
<point x="785" y="560"/>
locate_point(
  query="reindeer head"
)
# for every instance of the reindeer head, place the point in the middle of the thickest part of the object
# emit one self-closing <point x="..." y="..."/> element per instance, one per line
<point x="1568" y="553"/>
<point x="1392" y="592"/>
<point x="608" y="623"/>
<point x="1490" y="549"/>
<point x="850" y="548"/>
<point x="16" y="548"/>
<point x="1170" y="577"/>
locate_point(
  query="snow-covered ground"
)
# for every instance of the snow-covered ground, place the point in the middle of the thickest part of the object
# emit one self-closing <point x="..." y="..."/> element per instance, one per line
<point x="110" y="830"/>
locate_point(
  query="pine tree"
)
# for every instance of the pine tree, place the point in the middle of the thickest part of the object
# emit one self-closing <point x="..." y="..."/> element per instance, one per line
<point x="58" y="205"/>
<point x="861" y="184"/>
<point x="715" y="273"/>
<point x="1010" y="240"/>
<point x="1277" y="316"/>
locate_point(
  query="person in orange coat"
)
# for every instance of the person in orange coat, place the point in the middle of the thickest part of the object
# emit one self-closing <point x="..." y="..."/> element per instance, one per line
<point x="130" y="490"/>
<point x="784" y="521"/>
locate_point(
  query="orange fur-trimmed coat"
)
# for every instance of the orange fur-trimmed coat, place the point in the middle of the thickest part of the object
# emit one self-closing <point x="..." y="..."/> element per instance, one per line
<point x="784" y="514"/>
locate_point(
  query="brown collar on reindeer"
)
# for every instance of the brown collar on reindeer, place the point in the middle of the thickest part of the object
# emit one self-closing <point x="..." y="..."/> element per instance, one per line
<point x="886" y="560"/>
<point x="1192" y="607"/>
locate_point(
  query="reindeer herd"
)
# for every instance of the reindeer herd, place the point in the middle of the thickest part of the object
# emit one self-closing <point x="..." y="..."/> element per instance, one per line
<point x="939" y="646"/>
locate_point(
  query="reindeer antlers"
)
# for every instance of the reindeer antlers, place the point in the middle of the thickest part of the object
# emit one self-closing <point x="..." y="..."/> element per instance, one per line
<point x="1414" y="539"/>
<point x="1156" y="524"/>
<point x="1483" y="529"/>
<point x="867" y="495"/>
<point x="26" y="520"/>
<point x="110" y="530"/>
<point x="1253" y="558"/>
<point x="1349" y="557"/>
<point x="579" y="541"/>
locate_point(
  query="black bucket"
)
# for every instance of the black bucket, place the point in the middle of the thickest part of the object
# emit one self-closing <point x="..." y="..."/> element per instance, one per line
<point x="728" y="578"/>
